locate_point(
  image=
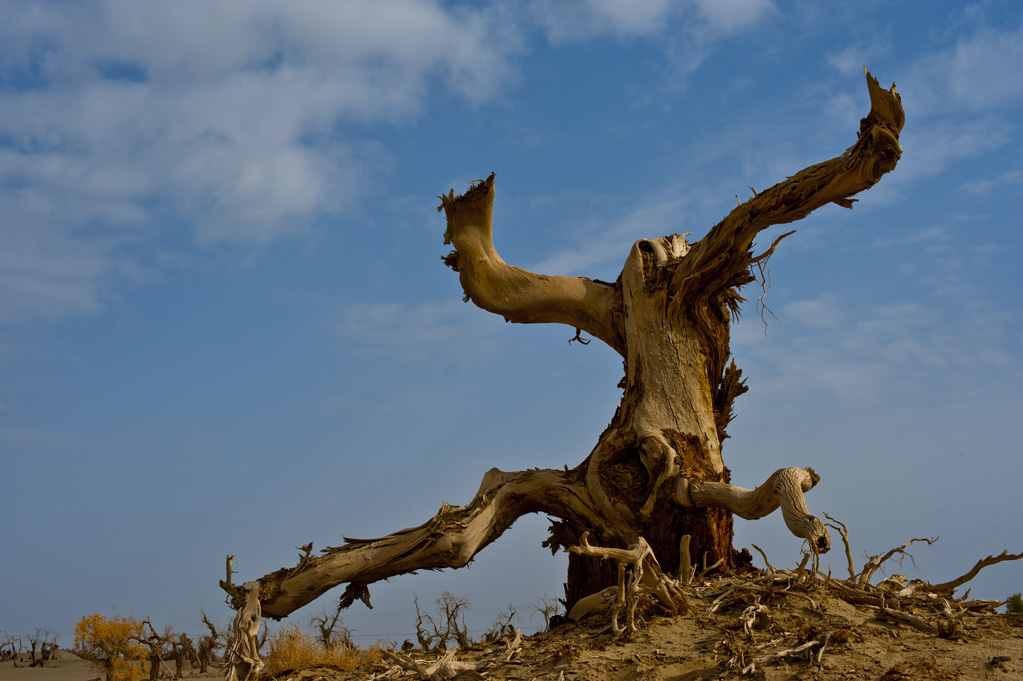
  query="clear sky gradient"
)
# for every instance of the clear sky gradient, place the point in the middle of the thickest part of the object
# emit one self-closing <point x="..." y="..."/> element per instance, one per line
<point x="225" y="326"/>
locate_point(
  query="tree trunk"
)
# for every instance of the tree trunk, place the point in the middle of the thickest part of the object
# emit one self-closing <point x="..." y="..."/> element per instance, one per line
<point x="656" y="472"/>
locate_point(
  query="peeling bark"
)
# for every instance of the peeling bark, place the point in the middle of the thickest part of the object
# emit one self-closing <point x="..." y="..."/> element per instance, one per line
<point x="668" y="316"/>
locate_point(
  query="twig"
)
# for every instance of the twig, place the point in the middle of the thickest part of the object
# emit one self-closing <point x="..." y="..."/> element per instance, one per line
<point x="708" y="569"/>
<point x="770" y="568"/>
<point x="844" y="531"/>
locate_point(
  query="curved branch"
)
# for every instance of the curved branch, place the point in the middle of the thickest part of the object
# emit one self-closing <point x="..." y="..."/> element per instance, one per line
<point x="783" y="488"/>
<point x="514" y="293"/>
<point x="981" y="564"/>
<point x="724" y="254"/>
<point x="448" y="540"/>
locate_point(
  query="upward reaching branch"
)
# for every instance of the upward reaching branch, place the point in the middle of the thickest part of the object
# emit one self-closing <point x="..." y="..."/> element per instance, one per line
<point x="723" y="255"/>
<point x="516" y="294"/>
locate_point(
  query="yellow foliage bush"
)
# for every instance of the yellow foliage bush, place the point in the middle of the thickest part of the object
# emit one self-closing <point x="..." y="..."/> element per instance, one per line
<point x="293" y="649"/>
<point x="112" y="642"/>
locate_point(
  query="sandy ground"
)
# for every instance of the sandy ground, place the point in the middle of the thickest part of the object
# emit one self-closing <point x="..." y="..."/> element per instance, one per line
<point x="70" y="667"/>
<point x="701" y="646"/>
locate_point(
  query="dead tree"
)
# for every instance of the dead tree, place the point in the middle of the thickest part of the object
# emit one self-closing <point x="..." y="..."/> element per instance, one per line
<point x="332" y="630"/>
<point x="208" y="644"/>
<point x="435" y="634"/>
<point x="160" y="647"/>
<point x="9" y="648"/>
<point x="656" y="471"/>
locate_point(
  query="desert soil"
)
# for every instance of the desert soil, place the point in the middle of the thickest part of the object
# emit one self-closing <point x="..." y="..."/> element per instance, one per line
<point x="702" y="645"/>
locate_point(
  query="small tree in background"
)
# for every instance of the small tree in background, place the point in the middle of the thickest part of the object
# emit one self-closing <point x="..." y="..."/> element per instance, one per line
<point x="434" y="634"/>
<point x="112" y="642"/>
<point x="1014" y="604"/>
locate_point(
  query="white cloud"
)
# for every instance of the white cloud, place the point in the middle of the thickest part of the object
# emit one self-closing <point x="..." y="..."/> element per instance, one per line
<point x="699" y="22"/>
<point x="728" y="16"/>
<point x="977" y="187"/>
<point x="850" y="61"/>
<point x="48" y="275"/>
<point x="979" y="73"/>
<point x="573" y="20"/>
<point x="226" y="112"/>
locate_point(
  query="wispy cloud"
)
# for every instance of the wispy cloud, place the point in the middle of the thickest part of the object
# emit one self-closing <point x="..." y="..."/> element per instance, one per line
<point x="231" y="115"/>
<point x="978" y="73"/>
<point x="688" y="30"/>
<point x="413" y="332"/>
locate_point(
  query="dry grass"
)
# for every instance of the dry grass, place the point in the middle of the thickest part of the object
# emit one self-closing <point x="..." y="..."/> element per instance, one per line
<point x="293" y="649"/>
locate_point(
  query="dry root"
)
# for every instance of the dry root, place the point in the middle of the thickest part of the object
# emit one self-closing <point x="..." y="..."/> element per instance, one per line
<point x="639" y="575"/>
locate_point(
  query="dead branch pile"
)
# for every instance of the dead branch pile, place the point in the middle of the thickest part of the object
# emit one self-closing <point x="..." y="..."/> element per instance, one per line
<point x="931" y="608"/>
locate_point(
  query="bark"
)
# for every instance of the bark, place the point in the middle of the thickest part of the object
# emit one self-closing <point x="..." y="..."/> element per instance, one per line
<point x="656" y="472"/>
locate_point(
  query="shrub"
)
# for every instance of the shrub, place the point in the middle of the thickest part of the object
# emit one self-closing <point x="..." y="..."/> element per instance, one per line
<point x="1014" y="604"/>
<point x="114" y="643"/>
<point x="293" y="649"/>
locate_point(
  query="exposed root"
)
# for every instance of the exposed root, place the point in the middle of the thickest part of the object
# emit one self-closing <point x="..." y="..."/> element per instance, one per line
<point x="639" y="575"/>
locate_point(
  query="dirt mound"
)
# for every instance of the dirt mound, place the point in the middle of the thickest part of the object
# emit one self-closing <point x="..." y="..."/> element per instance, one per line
<point x="788" y="631"/>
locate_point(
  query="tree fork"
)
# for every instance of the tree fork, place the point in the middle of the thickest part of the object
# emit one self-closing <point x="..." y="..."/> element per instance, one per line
<point x="656" y="472"/>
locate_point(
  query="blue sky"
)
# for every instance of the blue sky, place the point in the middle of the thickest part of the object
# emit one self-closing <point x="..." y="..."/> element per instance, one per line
<point x="225" y="326"/>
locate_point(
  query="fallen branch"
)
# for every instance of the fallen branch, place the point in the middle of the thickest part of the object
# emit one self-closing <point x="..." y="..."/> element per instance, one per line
<point x="791" y="652"/>
<point x="906" y="618"/>
<point x="874" y="562"/>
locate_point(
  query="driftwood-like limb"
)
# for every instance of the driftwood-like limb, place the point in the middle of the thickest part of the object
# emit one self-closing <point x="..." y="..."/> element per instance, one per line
<point x="448" y="540"/>
<point x="244" y="654"/>
<point x="981" y="564"/>
<point x="514" y="293"/>
<point x="844" y="532"/>
<point x="875" y="562"/>
<point x="906" y="618"/>
<point x="783" y="488"/>
<point x="724" y="252"/>
<point x="636" y="577"/>
<point x="628" y="589"/>
<point x="781" y="654"/>
<point x="406" y="663"/>
<point x="443" y="669"/>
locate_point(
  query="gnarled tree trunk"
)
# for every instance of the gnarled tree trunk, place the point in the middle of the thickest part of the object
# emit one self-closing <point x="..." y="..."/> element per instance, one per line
<point x="656" y="472"/>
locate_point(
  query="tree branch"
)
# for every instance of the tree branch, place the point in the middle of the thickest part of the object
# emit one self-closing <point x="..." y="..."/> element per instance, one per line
<point x="448" y="540"/>
<point x="724" y="254"/>
<point x="517" y="294"/>
<point x="783" y="488"/>
<point x="981" y="564"/>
